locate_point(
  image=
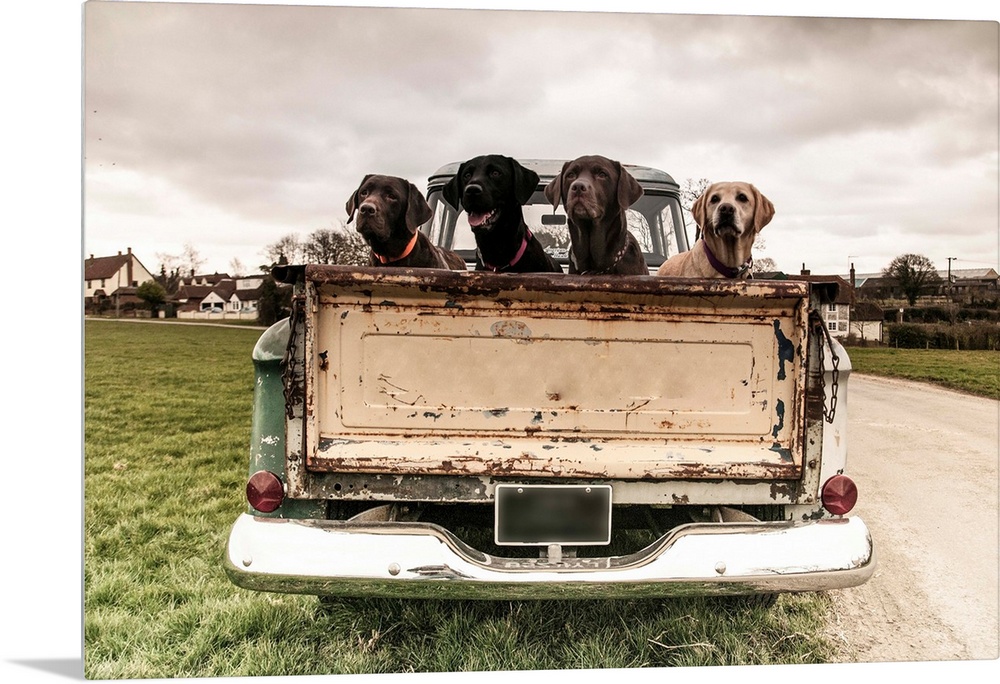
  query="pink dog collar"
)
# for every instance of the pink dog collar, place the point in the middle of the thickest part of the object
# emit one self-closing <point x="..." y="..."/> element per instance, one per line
<point x="517" y="257"/>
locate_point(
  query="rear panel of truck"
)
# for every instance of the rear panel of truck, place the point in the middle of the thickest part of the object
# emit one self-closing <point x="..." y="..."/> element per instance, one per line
<point x="439" y="385"/>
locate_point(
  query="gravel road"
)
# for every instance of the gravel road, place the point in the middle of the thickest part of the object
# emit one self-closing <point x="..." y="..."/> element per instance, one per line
<point x="925" y="462"/>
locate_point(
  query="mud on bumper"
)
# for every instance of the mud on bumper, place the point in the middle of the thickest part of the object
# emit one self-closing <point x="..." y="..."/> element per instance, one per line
<point x="423" y="560"/>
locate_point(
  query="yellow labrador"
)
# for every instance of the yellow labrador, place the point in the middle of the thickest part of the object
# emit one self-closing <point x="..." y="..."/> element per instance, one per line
<point x="730" y="216"/>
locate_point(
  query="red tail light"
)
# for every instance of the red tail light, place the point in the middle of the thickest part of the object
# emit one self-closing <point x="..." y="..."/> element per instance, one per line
<point x="265" y="491"/>
<point x="839" y="494"/>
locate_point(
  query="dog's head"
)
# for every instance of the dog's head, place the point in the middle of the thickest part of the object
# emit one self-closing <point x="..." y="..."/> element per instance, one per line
<point x="387" y="207"/>
<point x="593" y="188"/>
<point x="732" y="211"/>
<point x="491" y="189"/>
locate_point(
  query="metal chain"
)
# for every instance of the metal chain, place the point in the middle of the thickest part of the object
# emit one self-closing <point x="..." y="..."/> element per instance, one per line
<point x="819" y="324"/>
<point x="290" y="364"/>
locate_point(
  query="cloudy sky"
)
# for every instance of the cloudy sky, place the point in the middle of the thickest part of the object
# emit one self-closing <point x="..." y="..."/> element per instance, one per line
<point x="228" y="126"/>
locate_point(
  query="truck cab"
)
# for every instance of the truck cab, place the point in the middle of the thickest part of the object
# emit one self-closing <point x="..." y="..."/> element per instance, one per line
<point x="656" y="219"/>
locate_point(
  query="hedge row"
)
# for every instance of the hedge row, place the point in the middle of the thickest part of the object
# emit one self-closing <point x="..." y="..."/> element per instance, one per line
<point x="970" y="336"/>
<point x="941" y="314"/>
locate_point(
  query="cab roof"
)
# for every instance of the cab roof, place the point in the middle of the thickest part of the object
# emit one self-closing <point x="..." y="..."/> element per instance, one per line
<point x="547" y="169"/>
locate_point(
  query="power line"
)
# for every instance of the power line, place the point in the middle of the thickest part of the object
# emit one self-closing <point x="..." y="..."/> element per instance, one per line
<point x="970" y="261"/>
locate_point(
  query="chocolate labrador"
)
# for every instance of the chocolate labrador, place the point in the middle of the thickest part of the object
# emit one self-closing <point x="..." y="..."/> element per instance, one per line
<point x="492" y="189"/>
<point x="596" y="191"/>
<point x="730" y="216"/>
<point x="390" y="212"/>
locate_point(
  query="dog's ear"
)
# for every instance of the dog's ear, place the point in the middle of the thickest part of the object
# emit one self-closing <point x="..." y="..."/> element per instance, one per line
<point x="452" y="191"/>
<point x="525" y="182"/>
<point x="698" y="208"/>
<point x="629" y="190"/>
<point x="418" y="212"/>
<point x="352" y="202"/>
<point x="763" y="210"/>
<point x="553" y="191"/>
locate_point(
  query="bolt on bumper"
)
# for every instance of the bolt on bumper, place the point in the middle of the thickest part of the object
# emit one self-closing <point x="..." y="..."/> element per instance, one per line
<point x="422" y="560"/>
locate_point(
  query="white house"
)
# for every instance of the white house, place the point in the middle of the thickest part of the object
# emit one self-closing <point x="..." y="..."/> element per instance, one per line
<point x="219" y="298"/>
<point x="247" y="294"/>
<point x="836" y="314"/>
<point x="104" y="276"/>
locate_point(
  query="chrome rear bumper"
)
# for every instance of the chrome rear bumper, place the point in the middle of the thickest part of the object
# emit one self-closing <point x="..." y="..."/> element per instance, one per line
<point x="422" y="560"/>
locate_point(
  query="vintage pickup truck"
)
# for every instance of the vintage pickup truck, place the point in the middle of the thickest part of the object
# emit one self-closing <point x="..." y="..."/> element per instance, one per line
<point x="427" y="433"/>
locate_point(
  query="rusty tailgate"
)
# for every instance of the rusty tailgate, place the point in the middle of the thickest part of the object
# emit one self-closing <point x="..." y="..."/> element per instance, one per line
<point x="438" y="373"/>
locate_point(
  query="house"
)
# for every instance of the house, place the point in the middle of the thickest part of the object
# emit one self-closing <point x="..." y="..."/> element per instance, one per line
<point x="112" y="278"/>
<point x="971" y="282"/>
<point x="204" y="280"/>
<point x="836" y="314"/>
<point x="217" y="300"/>
<point x="965" y="283"/>
<point x="867" y="321"/>
<point x="247" y="294"/>
<point x="205" y="296"/>
<point x="189" y="297"/>
<point x="233" y="296"/>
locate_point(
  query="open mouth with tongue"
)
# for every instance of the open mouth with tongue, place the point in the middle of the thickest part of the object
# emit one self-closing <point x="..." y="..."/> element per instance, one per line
<point x="483" y="220"/>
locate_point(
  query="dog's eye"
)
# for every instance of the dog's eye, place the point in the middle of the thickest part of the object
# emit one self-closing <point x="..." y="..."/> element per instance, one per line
<point x="600" y="173"/>
<point x="390" y="196"/>
<point x="714" y="199"/>
<point x="495" y="173"/>
<point x="363" y="192"/>
<point x="742" y="198"/>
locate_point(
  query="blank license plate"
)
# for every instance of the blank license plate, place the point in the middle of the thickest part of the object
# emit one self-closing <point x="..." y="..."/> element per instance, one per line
<point x="539" y="515"/>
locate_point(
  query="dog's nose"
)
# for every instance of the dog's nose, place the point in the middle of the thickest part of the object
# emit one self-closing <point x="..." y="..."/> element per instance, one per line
<point x="367" y="209"/>
<point x="578" y="187"/>
<point x="727" y="209"/>
<point x="473" y="189"/>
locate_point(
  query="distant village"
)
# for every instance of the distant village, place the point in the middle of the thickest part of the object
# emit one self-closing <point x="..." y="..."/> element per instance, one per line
<point x="121" y="286"/>
<point x="113" y="286"/>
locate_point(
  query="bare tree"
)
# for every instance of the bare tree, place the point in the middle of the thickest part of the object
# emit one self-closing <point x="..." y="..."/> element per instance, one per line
<point x="764" y="265"/>
<point x="190" y="259"/>
<point x="169" y="263"/>
<point x="691" y="190"/>
<point x="552" y="237"/>
<point x="290" y="247"/>
<point x="236" y="268"/>
<point x="186" y="264"/>
<point x="335" y="246"/>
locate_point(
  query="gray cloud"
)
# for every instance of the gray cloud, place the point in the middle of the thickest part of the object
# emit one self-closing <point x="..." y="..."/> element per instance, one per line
<point x="267" y="117"/>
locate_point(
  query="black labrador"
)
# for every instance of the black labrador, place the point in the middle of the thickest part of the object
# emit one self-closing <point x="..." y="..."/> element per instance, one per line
<point x="492" y="189"/>
<point x="596" y="191"/>
<point x="390" y="212"/>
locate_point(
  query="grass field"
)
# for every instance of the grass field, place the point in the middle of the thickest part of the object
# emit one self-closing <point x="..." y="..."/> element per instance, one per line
<point x="975" y="372"/>
<point x="166" y="428"/>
